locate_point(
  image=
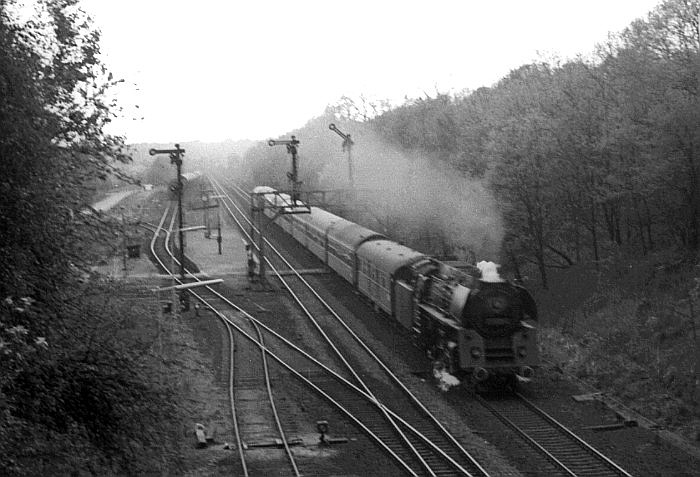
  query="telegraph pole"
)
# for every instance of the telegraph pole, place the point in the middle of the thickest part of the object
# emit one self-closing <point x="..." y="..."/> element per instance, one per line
<point x="126" y="250"/>
<point x="205" y="211"/>
<point x="176" y="158"/>
<point x="258" y="203"/>
<point x="347" y="146"/>
<point x="218" y="224"/>
<point x="292" y="176"/>
<point x="257" y="206"/>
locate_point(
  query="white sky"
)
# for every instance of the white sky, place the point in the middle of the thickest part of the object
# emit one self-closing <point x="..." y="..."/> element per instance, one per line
<point x="212" y="70"/>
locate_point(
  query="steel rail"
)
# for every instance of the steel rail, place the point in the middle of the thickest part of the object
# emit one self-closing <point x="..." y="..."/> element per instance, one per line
<point x="607" y="461"/>
<point x="232" y="404"/>
<point x="308" y="382"/>
<point x="444" y="432"/>
<point x="525" y="436"/>
<point x="330" y="342"/>
<point x="311" y="358"/>
<point x="397" y="381"/>
<point x="587" y="460"/>
<point x="328" y="370"/>
<point x="268" y="383"/>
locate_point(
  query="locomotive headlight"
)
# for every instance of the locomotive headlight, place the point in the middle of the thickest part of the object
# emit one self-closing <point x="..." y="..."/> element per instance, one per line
<point x="522" y="351"/>
<point x="476" y="353"/>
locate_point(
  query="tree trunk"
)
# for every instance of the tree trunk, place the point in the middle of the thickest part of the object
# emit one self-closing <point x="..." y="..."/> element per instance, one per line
<point x="608" y="214"/>
<point x="536" y="226"/>
<point x="628" y="227"/>
<point x="693" y="226"/>
<point x="594" y="233"/>
<point x="516" y="265"/>
<point x="539" y="254"/>
<point x="647" y="214"/>
<point x="577" y="240"/>
<point x="640" y="229"/>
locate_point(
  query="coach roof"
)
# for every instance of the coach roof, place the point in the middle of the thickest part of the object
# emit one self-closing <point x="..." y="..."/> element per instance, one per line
<point x="352" y="235"/>
<point x="388" y="256"/>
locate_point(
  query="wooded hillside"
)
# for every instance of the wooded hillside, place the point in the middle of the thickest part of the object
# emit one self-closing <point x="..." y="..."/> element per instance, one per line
<point x="586" y="159"/>
<point x="582" y="176"/>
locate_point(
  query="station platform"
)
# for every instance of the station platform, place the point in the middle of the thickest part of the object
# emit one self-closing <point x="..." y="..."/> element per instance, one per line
<point x="205" y="251"/>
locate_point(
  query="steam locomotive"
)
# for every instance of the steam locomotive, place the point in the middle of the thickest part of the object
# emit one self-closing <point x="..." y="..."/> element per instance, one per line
<point x="470" y="323"/>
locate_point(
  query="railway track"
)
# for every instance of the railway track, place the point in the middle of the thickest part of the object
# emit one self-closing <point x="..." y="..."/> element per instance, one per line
<point x="301" y="367"/>
<point x="415" y="435"/>
<point x="568" y="453"/>
<point x="240" y="356"/>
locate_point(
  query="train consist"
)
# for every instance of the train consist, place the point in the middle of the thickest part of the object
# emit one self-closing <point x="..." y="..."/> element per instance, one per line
<point x="471" y="324"/>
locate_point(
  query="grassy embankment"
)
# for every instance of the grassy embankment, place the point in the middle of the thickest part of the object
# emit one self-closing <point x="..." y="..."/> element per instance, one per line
<point x="627" y="328"/>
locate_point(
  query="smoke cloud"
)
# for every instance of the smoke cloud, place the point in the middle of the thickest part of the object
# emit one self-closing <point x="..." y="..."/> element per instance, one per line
<point x="422" y="202"/>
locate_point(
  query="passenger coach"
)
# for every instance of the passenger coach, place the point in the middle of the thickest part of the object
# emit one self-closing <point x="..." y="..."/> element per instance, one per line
<point x="380" y="264"/>
<point x="344" y="238"/>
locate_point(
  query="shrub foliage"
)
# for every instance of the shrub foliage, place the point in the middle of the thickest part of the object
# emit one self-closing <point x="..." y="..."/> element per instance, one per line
<point x="76" y="395"/>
